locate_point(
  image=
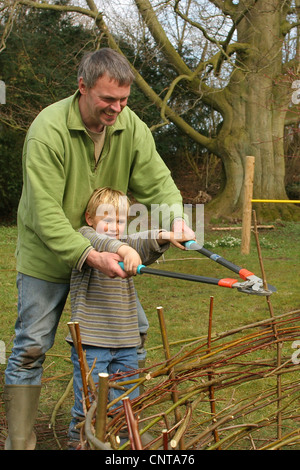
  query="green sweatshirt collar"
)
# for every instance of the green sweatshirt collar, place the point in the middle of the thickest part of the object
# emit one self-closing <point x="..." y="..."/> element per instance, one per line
<point x="74" y="121"/>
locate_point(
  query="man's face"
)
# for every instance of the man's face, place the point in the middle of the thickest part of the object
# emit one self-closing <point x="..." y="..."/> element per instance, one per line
<point x="101" y="105"/>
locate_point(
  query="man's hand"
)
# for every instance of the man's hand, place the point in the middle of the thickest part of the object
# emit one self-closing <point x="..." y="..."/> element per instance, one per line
<point x="182" y="232"/>
<point x="169" y="237"/>
<point x="107" y="263"/>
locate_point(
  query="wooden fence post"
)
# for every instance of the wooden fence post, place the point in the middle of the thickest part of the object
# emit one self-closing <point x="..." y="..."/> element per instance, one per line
<point x="247" y="205"/>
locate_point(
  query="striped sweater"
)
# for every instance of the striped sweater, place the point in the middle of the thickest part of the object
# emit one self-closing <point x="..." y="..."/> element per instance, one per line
<point x="106" y="308"/>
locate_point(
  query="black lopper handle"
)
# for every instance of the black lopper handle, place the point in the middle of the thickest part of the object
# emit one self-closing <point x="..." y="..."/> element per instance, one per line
<point x="242" y="272"/>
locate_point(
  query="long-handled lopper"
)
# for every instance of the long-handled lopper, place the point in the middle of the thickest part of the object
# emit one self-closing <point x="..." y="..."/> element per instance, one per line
<point x="251" y="285"/>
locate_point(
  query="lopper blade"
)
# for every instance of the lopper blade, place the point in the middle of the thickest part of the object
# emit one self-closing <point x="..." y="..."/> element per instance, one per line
<point x="254" y="289"/>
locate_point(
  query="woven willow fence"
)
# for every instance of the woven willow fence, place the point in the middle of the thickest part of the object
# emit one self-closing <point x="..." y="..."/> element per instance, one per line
<point x="232" y="390"/>
<point x="238" y="389"/>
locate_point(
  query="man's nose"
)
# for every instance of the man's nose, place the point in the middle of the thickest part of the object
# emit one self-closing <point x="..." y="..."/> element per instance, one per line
<point x="116" y="106"/>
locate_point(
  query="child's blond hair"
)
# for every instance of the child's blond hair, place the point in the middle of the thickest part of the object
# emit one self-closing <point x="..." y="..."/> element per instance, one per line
<point x="107" y="195"/>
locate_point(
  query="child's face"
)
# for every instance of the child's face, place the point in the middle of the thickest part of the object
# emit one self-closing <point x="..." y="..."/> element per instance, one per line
<point x="111" y="224"/>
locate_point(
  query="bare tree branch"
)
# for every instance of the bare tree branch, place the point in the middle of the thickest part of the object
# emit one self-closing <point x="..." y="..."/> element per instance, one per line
<point x="226" y="6"/>
<point x="66" y="8"/>
<point x="8" y="25"/>
<point x="158" y="33"/>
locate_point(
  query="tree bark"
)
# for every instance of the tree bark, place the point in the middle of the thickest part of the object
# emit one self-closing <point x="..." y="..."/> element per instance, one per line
<point x="253" y="122"/>
<point x="253" y="105"/>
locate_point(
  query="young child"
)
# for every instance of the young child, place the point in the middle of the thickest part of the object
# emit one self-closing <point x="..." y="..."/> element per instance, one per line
<point x="106" y="307"/>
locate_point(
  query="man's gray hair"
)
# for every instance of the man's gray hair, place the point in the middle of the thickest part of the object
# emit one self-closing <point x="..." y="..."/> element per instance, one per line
<point x="105" y="61"/>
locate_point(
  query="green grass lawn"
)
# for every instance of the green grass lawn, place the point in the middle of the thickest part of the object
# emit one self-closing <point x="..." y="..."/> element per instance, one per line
<point x="186" y="310"/>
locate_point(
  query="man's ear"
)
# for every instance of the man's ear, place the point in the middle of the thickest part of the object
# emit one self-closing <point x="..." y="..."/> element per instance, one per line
<point x="82" y="86"/>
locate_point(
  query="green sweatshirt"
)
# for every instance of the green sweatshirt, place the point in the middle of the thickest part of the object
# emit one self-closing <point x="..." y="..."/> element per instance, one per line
<point x="60" y="174"/>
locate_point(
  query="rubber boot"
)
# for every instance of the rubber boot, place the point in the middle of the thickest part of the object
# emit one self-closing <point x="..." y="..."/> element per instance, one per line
<point x="21" y="405"/>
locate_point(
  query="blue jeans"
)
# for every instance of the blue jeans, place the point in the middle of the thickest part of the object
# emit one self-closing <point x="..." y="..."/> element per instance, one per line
<point x="40" y="305"/>
<point x="110" y="361"/>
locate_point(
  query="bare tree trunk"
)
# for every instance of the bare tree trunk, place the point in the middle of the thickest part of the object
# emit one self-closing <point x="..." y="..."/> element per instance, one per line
<point x="254" y="122"/>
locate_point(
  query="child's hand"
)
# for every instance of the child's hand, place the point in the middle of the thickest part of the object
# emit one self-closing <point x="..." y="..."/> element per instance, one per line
<point x="131" y="259"/>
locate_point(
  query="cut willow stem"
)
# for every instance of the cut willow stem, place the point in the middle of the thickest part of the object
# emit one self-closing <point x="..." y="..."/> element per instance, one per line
<point x="132" y="425"/>
<point x="82" y="362"/>
<point x="72" y="329"/>
<point x="101" y="411"/>
<point x="279" y="343"/>
<point x="163" y="329"/>
<point x="165" y="439"/>
<point x="211" y="389"/>
<point x="182" y="429"/>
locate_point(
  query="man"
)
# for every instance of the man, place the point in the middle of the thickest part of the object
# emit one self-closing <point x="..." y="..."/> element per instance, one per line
<point x="86" y="141"/>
